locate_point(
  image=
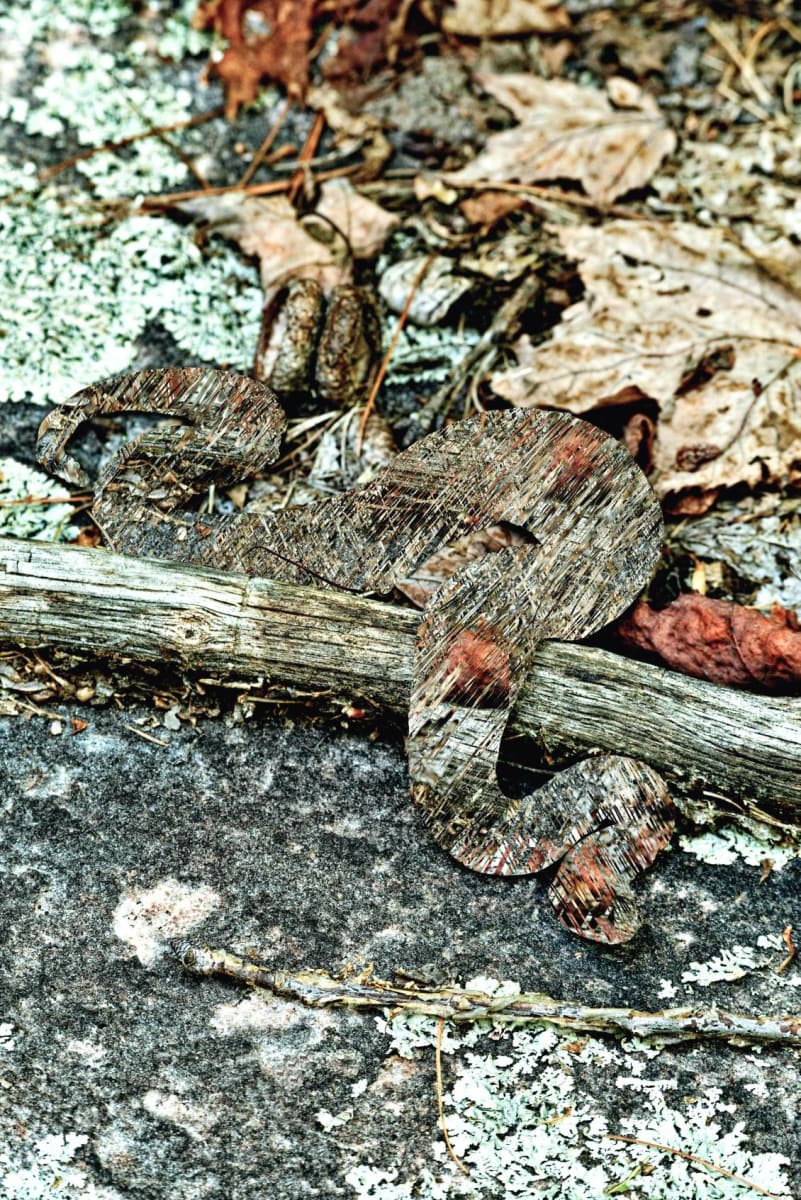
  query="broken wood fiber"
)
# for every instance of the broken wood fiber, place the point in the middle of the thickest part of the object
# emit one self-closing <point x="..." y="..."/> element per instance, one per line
<point x="735" y="746"/>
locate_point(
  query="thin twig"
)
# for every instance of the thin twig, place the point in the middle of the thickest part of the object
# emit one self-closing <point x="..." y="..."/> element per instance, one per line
<point x="693" y="1158"/>
<point x="747" y="73"/>
<point x="787" y="938"/>
<point x="27" y="500"/>
<point x="440" y="1102"/>
<point x="121" y="143"/>
<point x="306" y="155"/>
<point x="318" y="989"/>
<point x="385" y="361"/>
<point x="555" y="194"/>
<point x="480" y="356"/>
<point x="147" y="736"/>
<point x="272" y="186"/>
<point x="266" y="145"/>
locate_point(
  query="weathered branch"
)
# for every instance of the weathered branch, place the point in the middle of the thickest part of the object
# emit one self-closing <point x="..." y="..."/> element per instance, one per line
<point x="702" y="737"/>
<point x="359" y="993"/>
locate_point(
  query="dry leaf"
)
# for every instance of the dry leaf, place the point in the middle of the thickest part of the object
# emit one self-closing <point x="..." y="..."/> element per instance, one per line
<point x="421" y="585"/>
<point x="717" y="640"/>
<point x="364" y="223"/>
<point x="432" y="296"/>
<point x="280" y="52"/>
<point x="571" y="132"/>
<point x="499" y="18"/>
<point x="287" y="246"/>
<point x="487" y="208"/>
<point x="682" y="315"/>
<point x="354" y="130"/>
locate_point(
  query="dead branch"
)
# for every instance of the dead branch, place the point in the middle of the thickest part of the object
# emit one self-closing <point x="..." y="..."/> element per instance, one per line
<point x="361" y="992"/>
<point x="731" y="750"/>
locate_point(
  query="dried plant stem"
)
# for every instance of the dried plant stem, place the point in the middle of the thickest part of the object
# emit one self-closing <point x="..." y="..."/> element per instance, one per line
<point x="693" y="1158"/>
<point x="110" y="147"/>
<point x="362" y="992"/>
<point x="382" y="370"/>
<point x="266" y="145"/>
<point x="480" y="357"/>
<point x="440" y="1101"/>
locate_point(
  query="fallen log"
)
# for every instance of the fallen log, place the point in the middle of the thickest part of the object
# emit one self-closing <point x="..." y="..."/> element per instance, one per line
<point x="720" y="749"/>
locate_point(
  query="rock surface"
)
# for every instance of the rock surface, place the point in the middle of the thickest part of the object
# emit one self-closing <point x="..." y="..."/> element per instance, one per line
<point x="300" y="842"/>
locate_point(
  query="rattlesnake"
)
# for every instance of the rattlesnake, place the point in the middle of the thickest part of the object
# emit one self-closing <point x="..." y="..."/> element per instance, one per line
<point x="591" y="536"/>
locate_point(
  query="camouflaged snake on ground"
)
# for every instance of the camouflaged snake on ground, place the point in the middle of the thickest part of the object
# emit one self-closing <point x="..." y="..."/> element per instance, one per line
<point x="592" y="535"/>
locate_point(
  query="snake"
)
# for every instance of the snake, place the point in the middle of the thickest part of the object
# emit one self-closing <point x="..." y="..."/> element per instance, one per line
<point x="590" y="534"/>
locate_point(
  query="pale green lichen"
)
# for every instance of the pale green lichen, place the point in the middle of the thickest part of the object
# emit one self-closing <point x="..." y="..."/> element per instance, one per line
<point x="78" y="292"/>
<point x="18" y="518"/>
<point x="43" y="1167"/>
<point x="523" y="1125"/>
<point x="738" y="961"/>
<point x="725" y="846"/>
<point x="77" y="287"/>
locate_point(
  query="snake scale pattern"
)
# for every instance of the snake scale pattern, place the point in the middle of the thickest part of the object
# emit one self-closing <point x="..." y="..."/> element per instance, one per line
<point x="592" y="535"/>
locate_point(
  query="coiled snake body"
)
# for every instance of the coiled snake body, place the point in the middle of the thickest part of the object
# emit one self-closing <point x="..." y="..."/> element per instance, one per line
<point x="592" y="536"/>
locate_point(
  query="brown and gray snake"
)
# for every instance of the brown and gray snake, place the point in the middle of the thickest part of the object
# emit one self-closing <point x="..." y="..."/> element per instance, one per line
<point x="592" y="537"/>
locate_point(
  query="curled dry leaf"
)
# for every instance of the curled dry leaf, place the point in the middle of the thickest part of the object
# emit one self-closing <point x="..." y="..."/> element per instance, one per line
<point x="353" y="130"/>
<point x="685" y="316"/>
<point x="499" y="18"/>
<point x="717" y="640"/>
<point x="432" y="296"/>
<point x="319" y="246"/>
<point x="572" y="132"/>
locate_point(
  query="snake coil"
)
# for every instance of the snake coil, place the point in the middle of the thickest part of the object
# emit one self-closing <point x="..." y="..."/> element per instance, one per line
<point x="592" y="537"/>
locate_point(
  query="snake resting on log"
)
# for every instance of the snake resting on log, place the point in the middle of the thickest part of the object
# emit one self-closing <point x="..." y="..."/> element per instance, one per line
<point x="590" y="534"/>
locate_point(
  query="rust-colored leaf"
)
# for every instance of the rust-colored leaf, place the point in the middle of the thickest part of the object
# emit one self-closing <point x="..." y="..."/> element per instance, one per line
<point x="267" y="39"/>
<point x="717" y="640"/>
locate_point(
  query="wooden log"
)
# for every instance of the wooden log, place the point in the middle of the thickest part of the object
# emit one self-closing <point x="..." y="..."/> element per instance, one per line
<point x="712" y="743"/>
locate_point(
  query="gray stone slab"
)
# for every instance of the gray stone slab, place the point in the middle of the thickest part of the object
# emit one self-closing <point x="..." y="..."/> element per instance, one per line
<point x="300" y="841"/>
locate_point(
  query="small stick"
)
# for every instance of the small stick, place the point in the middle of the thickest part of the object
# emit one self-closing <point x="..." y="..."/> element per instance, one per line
<point x="269" y="188"/>
<point x="555" y="194"/>
<point x="111" y="147"/>
<point x="440" y="1101"/>
<point x="693" y="1158"/>
<point x="318" y="989"/>
<point x="306" y="155"/>
<point x="385" y="361"/>
<point x="266" y="145"/>
<point x="787" y="938"/>
<point x="482" y="355"/>
<point x="147" y="736"/>
<point x="746" y="68"/>
<point x="24" y="501"/>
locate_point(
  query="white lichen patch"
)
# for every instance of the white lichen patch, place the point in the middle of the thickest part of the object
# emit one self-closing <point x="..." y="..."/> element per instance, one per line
<point x="148" y="920"/>
<point x="725" y="846"/>
<point x="99" y="96"/>
<point x="78" y="293"/>
<point x="78" y="286"/>
<point x="524" y="1123"/>
<point x="194" y="1119"/>
<point x="330" y="1120"/>
<point x="25" y="510"/>
<point x="43" y="1167"/>
<point x="738" y="961"/>
<point x="7" y="1040"/>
